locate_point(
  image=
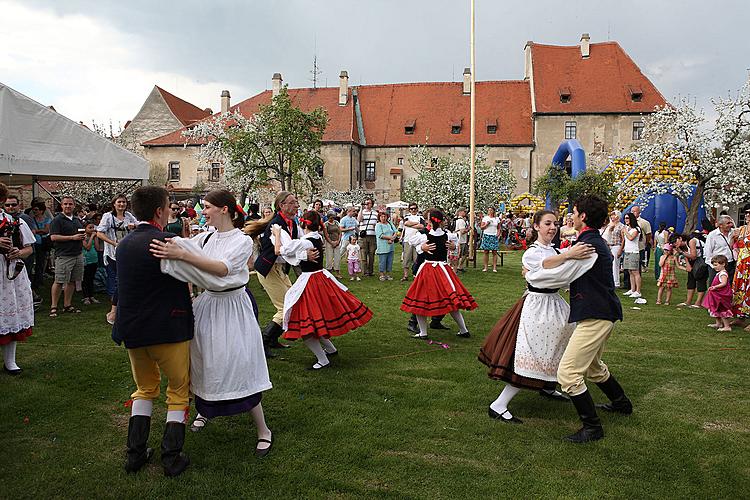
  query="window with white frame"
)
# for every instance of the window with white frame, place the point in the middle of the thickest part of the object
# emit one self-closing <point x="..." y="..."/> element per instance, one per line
<point x="637" y="131"/>
<point x="570" y="130"/>
<point x="369" y="170"/>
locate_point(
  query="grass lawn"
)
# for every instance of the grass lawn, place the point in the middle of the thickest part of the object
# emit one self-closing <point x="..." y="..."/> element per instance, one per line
<point x="395" y="417"/>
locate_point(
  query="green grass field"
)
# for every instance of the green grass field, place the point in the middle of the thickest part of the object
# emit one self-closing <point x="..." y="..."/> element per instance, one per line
<point x="395" y="417"/>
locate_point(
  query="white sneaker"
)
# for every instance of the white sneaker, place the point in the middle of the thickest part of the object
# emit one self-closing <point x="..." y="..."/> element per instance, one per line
<point x="635" y="295"/>
<point x="640" y="301"/>
<point x="351" y="279"/>
<point x="628" y="293"/>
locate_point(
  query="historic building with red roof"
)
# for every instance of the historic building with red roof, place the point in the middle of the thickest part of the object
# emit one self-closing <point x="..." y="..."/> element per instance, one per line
<point x="591" y="92"/>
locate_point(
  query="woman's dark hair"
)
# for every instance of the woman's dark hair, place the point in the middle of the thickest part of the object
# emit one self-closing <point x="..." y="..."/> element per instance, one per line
<point x="117" y="197"/>
<point x="436" y="218"/>
<point x="318" y="201"/>
<point x="222" y="198"/>
<point x="538" y="216"/>
<point x="632" y="222"/>
<point x="146" y="200"/>
<point x="662" y="226"/>
<point x="595" y="208"/>
<point x="310" y="220"/>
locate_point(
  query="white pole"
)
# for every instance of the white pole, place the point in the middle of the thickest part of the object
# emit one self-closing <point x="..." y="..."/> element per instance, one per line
<point x="473" y="139"/>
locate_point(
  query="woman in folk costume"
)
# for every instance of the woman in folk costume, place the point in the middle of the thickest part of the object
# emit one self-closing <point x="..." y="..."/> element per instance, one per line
<point x="16" y="301"/>
<point x="436" y="289"/>
<point x="228" y="371"/>
<point x="525" y="346"/>
<point x="318" y="306"/>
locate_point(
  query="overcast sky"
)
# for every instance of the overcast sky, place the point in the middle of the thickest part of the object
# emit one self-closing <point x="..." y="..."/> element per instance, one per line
<point x="98" y="60"/>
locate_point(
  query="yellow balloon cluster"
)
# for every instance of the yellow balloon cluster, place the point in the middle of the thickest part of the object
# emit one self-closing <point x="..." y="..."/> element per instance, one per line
<point x="630" y="178"/>
<point x="534" y="203"/>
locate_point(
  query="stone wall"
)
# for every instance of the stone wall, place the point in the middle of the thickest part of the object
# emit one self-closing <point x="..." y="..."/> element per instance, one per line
<point x="154" y="119"/>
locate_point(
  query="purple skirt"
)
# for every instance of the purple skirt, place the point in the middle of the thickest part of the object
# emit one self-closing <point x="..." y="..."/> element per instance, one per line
<point x="211" y="409"/>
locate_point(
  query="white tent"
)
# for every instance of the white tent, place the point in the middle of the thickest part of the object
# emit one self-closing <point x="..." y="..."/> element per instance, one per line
<point x="37" y="143"/>
<point x="398" y="204"/>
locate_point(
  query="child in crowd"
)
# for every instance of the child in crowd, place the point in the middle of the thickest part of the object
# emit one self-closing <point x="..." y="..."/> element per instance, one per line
<point x="667" y="278"/>
<point x="352" y="259"/>
<point x="718" y="299"/>
<point x="90" y="264"/>
<point x="317" y="307"/>
<point x="453" y="250"/>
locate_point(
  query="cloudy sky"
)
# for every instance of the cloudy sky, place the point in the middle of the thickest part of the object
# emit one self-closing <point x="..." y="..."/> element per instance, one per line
<point x="98" y="60"/>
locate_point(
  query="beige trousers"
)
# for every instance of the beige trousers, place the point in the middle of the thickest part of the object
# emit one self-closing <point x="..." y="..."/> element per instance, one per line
<point x="276" y="284"/>
<point x="583" y="356"/>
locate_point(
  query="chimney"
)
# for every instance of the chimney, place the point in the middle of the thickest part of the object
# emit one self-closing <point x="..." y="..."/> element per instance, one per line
<point x="225" y="101"/>
<point x="467" y="81"/>
<point x="343" y="88"/>
<point x="585" y="45"/>
<point x="527" y="60"/>
<point x="276" y="84"/>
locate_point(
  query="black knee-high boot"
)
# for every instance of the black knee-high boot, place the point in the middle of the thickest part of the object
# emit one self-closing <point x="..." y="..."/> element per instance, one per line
<point x="592" y="427"/>
<point x="436" y="323"/>
<point x="616" y="394"/>
<point x="173" y="459"/>
<point x="138" y="452"/>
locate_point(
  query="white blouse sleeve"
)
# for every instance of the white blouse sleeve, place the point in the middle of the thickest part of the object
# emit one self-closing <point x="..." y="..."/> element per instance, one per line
<point x="416" y="239"/>
<point x="562" y="275"/>
<point x="27" y="237"/>
<point x="293" y="251"/>
<point x="183" y="271"/>
<point x="532" y="258"/>
<point x="238" y="255"/>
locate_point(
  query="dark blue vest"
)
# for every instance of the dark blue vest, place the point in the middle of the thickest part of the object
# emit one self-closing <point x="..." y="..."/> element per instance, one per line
<point x="267" y="255"/>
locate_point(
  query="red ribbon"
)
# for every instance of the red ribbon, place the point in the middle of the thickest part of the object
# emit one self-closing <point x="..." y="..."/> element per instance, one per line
<point x="436" y="220"/>
<point x="239" y="209"/>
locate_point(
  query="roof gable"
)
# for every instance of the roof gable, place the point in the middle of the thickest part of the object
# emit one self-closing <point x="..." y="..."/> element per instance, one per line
<point x="604" y="82"/>
<point x="185" y="112"/>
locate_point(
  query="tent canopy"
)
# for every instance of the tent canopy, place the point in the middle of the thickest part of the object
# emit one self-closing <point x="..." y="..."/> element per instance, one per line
<point x="37" y="143"/>
<point x="397" y="204"/>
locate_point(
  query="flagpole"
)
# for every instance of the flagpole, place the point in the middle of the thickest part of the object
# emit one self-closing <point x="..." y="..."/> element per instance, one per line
<point x="473" y="139"/>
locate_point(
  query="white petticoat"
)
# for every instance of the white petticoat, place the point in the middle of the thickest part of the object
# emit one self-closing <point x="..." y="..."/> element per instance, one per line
<point x="16" y="302"/>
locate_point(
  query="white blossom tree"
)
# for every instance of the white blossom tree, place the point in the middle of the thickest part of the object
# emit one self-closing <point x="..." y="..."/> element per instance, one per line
<point x="682" y="154"/>
<point x="444" y="181"/>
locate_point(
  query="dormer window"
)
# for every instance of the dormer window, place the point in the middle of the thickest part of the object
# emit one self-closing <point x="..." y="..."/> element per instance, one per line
<point x="564" y="95"/>
<point x="636" y="94"/>
<point x="456" y="126"/>
<point x="491" y="126"/>
<point x="409" y="127"/>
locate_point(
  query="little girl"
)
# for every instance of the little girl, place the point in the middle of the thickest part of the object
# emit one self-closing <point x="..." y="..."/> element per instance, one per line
<point x="317" y="307"/>
<point x="718" y="299"/>
<point x="352" y="259"/>
<point x="436" y="289"/>
<point x="667" y="279"/>
<point x="453" y="250"/>
<point x="91" y="263"/>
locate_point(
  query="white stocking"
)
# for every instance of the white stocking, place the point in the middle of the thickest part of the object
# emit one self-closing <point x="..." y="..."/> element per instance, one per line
<point x="328" y="346"/>
<point x="422" y="322"/>
<point x="141" y="407"/>
<point x="500" y="405"/>
<point x="459" y="319"/>
<point x="9" y="356"/>
<point x="313" y="343"/>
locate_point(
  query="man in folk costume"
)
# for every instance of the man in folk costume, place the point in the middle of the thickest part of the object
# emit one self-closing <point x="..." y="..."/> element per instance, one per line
<point x="272" y="270"/>
<point x="155" y="321"/>
<point x="594" y="307"/>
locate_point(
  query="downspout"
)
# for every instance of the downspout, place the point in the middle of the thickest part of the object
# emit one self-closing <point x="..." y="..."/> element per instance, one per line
<point x="360" y="131"/>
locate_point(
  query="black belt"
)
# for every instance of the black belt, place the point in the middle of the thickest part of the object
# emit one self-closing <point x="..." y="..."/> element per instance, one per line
<point x="227" y="290"/>
<point x="541" y="290"/>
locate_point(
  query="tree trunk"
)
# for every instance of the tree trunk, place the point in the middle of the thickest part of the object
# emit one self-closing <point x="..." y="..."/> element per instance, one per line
<point x="691" y="219"/>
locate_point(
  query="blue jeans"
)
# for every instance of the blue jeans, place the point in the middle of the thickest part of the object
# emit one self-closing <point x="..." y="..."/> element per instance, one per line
<point x="385" y="262"/>
<point x="111" y="277"/>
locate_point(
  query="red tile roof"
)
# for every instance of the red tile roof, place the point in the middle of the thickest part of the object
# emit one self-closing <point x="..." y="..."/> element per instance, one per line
<point x="182" y="110"/>
<point x="601" y="83"/>
<point x="434" y="108"/>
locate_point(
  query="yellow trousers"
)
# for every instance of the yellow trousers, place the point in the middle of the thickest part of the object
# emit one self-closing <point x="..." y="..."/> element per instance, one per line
<point x="147" y="364"/>
<point x="582" y="358"/>
<point x="276" y="284"/>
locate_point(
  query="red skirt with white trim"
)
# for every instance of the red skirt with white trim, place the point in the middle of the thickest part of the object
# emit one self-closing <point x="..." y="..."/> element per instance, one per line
<point x="325" y="310"/>
<point x="437" y="290"/>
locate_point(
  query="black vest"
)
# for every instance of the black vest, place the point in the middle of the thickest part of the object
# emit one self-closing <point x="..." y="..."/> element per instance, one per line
<point x="441" y="248"/>
<point x="152" y="307"/>
<point x="267" y="255"/>
<point x="308" y="266"/>
<point x="592" y="296"/>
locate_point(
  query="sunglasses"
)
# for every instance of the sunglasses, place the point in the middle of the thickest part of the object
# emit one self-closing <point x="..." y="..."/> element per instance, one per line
<point x="11" y="204"/>
<point x="175" y="208"/>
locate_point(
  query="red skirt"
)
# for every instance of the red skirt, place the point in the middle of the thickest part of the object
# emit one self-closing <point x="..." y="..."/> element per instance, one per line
<point x="325" y="310"/>
<point x="431" y="293"/>
<point x="499" y="350"/>
<point x="15" y="337"/>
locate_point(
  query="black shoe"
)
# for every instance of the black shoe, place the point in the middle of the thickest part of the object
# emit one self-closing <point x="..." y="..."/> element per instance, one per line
<point x="271" y="334"/>
<point x="437" y="325"/>
<point x="465" y="335"/>
<point x="262" y="452"/>
<point x="275" y="344"/>
<point x="138" y="454"/>
<point x="173" y="459"/>
<point x="592" y="427"/>
<point x="619" y="401"/>
<point x="554" y="395"/>
<point x="317" y="366"/>
<point x="499" y="416"/>
<point x="412" y="327"/>
<point x="13" y="373"/>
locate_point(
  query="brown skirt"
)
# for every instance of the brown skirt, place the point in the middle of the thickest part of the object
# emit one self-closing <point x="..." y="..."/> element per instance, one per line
<point x="499" y="350"/>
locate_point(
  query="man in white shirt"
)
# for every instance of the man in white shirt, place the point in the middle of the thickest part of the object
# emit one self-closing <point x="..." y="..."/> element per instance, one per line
<point x="613" y="235"/>
<point x="462" y="229"/>
<point x="413" y="223"/>
<point x="644" y="245"/>
<point x="368" y="218"/>
<point x="719" y="242"/>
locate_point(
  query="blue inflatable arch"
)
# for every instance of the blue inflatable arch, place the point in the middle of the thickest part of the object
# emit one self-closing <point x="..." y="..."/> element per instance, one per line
<point x="569" y="149"/>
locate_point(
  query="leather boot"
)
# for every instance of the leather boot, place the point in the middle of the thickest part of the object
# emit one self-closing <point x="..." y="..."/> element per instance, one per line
<point x="412" y="326"/>
<point x="592" y="427"/>
<point x="267" y="334"/>
<point x="172" y="458"/>
<point x="619" y="401"/>
<point x="138" y="454"/>
<point x="436" y="323"/>
<point x="274" y="335"/>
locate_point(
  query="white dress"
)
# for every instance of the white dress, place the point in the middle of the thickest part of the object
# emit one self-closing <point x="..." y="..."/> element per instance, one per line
<point x="16" y="302"/>
<point x="543" y="331"/>
<point x="226" y="355"/>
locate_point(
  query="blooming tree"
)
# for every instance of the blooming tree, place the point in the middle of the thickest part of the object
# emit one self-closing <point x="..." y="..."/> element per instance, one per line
<point x="279" y="146"/>
<point x="682" y="154"/>
<point x="444" y="181"/>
